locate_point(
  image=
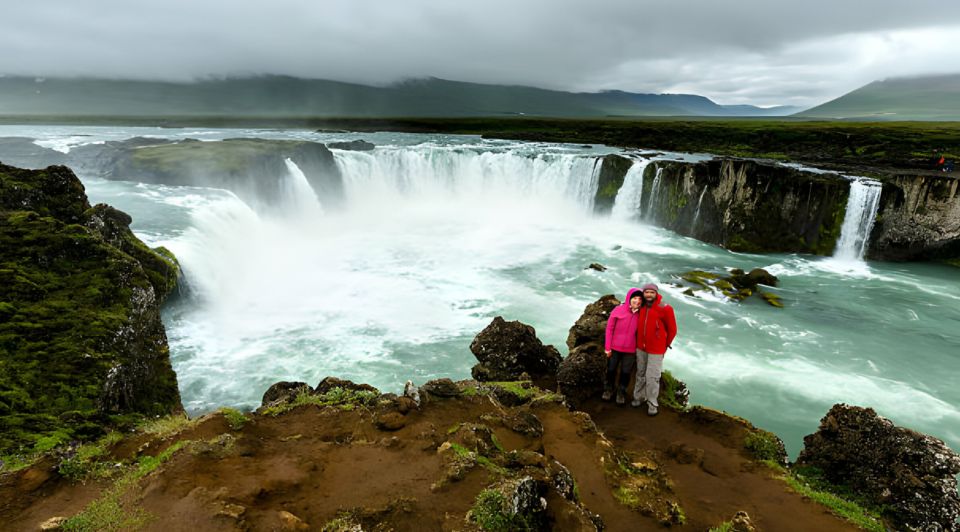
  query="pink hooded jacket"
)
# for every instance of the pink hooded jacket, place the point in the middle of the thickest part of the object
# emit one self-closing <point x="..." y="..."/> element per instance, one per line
<point x="622" y="327"/>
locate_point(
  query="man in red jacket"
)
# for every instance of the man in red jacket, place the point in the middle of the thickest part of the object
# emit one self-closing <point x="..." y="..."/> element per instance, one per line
<point x="656" y="329"/>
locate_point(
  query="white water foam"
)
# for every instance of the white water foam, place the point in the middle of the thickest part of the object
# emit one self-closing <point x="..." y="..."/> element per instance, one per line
<point x="654" y="194"/>
<point x="858" y="220"/>
<point x="298" y="194"/>
<point x="627" y="204"/>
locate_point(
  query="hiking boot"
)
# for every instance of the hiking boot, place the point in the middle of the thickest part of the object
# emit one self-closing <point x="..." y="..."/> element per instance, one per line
<point x="652" y="410"/>
<point x="621" y="398"/>
<point x="637" y="403"/>
<point x="607" y="395"/>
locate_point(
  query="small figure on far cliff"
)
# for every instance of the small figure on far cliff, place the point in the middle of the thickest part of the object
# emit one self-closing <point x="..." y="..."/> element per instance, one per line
<point x="620" y="345"/>
<point x="656" y="329"/>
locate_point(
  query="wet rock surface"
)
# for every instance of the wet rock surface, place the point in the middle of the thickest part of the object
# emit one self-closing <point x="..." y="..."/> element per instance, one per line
<point x="911" y="474"/>
<point x="507" y="349"/>
<point x="80" y="303"/>
<point x="737" y="285"/>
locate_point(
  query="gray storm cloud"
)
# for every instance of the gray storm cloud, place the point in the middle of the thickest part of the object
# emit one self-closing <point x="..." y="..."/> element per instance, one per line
<point x="744" y="51"/>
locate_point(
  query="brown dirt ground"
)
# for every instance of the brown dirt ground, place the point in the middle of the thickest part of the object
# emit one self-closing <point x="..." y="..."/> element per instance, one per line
<point x="317" y="462"/>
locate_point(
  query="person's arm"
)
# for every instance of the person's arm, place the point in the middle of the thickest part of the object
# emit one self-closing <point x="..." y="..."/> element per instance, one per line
<point x="609" y="337"/>
<point x="670" y="323"/>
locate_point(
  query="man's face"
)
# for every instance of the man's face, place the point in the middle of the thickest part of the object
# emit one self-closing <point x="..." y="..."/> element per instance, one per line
<point x="650" y="295"/>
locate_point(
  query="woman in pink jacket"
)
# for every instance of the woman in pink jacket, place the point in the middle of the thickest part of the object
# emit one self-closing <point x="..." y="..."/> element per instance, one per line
<point x="621" y="345"/>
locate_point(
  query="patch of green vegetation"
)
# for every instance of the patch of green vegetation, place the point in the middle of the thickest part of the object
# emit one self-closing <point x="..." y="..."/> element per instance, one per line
<point x="166" y="426"/>
<point x="88" y="460"/>
<point x="726" y="526"/>
<point x="491" y="511"/>
<point x="524" y="391"/>
<point x="234" y="418"/>
<point x="73" y="280"/>
<point x="342" y="523"/>
<point x="763" y="445"/>
<point x="668" y="391"/>
<point x="113" y="511"/>
<point x="342" y="398"/>
<point x="825" y="494"/>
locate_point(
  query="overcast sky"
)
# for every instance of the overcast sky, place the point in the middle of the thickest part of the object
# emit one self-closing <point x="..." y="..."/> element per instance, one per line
<point x="762" y="52"/>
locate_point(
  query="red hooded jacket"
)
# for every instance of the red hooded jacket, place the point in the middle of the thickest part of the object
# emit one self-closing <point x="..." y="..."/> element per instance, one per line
<point x="656" y="327"/>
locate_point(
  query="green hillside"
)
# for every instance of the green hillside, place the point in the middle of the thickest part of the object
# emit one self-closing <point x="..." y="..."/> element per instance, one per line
<point x="919" y="98"/>
<point x="280" y="96"/>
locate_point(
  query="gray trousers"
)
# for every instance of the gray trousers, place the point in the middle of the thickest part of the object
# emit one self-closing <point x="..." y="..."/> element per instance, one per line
<point x="647" y="386"/>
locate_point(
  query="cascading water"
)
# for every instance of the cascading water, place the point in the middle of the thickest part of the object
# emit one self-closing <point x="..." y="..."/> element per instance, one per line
<point x="298" y="195"/>
<point x="858" y="220"/>
<point x="452" y="174"/>
<point x="654" y="194"/>
<point x="696" y="215"/>
<point x="627" y="204"/>
<point x="435" y="235"/>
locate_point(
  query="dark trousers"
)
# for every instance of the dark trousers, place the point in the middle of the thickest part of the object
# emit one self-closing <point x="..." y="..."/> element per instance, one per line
<point x="626" y="361"/>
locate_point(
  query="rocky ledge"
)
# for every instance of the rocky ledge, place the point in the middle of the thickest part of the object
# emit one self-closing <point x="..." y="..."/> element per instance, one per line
<point x="81" y="342"/>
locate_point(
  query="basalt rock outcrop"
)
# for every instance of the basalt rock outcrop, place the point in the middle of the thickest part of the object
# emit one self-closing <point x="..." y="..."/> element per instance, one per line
<point x="255" y="169"/>
<point x="746" y="205"/>
<point x="80" y="332"/>
<point x="613" y="169"/>
<point x="507" y="349"/>
<point x="911" y="475"/>
<point x="918" y="219"/>
<point x="353" y="145"/>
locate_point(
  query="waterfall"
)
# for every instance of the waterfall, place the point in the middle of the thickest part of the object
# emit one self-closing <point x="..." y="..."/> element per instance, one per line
<point x="629" y="198"/>
<point x="654" y="194"/>
<point x="858" y="221"/>
<point x="696" y="215"/>
<point x="388" y="174"/>
<point x="298" y="194"/>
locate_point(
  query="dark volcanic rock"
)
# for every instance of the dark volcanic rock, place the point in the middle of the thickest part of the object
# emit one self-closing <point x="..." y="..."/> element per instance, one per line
<point x="581" y="374"/>
<point x="353" y="145"/>
<point x="80" y="330"/>
<point x="329" y="383"/>
<point x="592" y="324"/>
<point x="597" y="266"/>
<point x="911" y="474"/>
<point x="749" y="206"/>
<point x="613" y="169"/>
<point x="441" y="388"/>
<point x="284" y="392"/>
<point x="254" y="169"/>
<point x="507" y="349"/>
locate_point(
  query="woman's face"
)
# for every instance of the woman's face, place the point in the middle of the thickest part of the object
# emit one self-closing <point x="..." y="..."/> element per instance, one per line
<point x="636" y="300"/>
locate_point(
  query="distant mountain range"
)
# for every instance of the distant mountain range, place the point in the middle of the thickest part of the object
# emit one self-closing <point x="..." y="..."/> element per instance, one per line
<point x="281" y="96"/>
<point x="914" y="98"/>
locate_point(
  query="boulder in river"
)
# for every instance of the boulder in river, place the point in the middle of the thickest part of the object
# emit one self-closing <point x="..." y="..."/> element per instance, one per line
<point x="912" y="475"/>
<point x="353" y="145"/>
<point x="507" y="349"/>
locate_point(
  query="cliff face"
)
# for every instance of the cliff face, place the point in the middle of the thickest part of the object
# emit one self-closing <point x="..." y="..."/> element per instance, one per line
<point x="612" y="171"/>
<point x="747" y="205"/>
<point x="80" y="332"/>
<point x="919" y="218"/>
<point x="254" y="169"/>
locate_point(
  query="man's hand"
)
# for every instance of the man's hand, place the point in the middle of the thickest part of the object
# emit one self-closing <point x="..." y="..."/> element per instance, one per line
<point x="609" y="353"/>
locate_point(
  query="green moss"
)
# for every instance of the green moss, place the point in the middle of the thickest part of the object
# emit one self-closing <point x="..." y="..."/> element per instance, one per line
<point x="90" y="460"/>
<point x="763" y="445"/>
<point x="668" y="391"/>
<point x="491" y="511"/>
<point x="76" y="309"/>
<point x="234" y="418"/>
<point x="342" y="398"/>
<point x="726" y="526"/>
<point x="166" y="426"/>
<point x="114" y="510"/>
<point x="813" y="487"/>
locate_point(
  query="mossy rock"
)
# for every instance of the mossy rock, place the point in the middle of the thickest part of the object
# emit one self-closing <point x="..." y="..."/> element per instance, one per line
<point x="80" y="333"/>
<point x="772" y="299"/>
